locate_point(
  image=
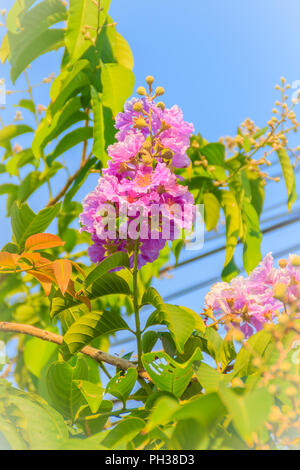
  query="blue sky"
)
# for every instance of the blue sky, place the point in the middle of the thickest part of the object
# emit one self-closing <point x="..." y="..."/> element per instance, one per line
<point x="219" y="61"/>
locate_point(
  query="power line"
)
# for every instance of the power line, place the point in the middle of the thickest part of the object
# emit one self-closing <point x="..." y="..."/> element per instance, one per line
<point x="215" y="279"/>
<point x="223" y="247"/>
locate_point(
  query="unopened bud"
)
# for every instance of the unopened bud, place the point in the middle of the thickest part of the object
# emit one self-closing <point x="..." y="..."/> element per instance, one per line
<point x="279" y="290"/>
<point x="138" y="106"/>
<point x="295" y="260"/>
<point x="161" y="105"/>
<point x="159" y="91"/>
<point x="282" y="263"/>
<point x="149" y="80"/>
<point x="141" y="91"/>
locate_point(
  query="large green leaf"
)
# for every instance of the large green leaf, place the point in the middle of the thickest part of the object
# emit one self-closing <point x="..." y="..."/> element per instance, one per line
<point x="248" y="412"/>
<point x="70" y="140"/>
<point x="92" y="393"/>
<point x="181" y="321"/>
<point x="253" y="238"/>
<point x="210" y="378"/>
<point x="50" y="128"/>
<point x="37" y="354"/>
<point x="62" y="386"/>
<point x="167" y="374"/>
<point x="99" y="125"/>
<point x="123" y="433"/>
<point x="117" y="82"/>
<point x="89" y="327"/>
<point x="289" y="176"/>
<point x="121" y="385"/>
<point x="258" y="345"/>
<point x="11" y="131"/>
<point x="68" y="82"/>
<point x="233" y="220"/>
<point x="211" y="210"/>
<point x="51" y="39"/>
<point x="25" y="222"/>
<point x="116" y="260"/>
<point x="82" y="13"/>
<point x="27" y="422"/>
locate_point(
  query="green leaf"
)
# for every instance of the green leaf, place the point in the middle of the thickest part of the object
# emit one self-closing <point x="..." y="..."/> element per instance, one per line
<point x="68" y="82"/>
<point x="92" y="393"/>
<point x="214" y="153"/>
<point x="253" y="239"/>
<point x="162" y="412"/>
<point x="25" y="222"/>
<point x="49" y="40"/>
<point x="91" y="326"/>
<point x="167" y="374"/>
<point x="149" y="340"/>
<point x="233" y="219"/>
<point x="289" y="176"/>
<point x="181" y="321"/>
<point x="98" y="129"/>
<point x="116" y="260"/>
<point x="41" y="427"/>
<point x="117" y="82"/>
<point x="121" y="385"/>
<point x="4" y="49"/>
<point x="81" y="13"/>
<point x="37" y="354"/>
<point x="248" y="412"/>
<point x="211" y="210"/>
<point x="209" y="378"/>
<point x="26" y="104"/>
<point x="208" y="409"/>
<point x="62" y="388"/>
<point x="123" y="433"/>
<point x="258" y="345"/>
<point x="13" y="16"/>
<point x="11" y="131"/>
<point x="69" y="141"/>
<point x="50" y="128"/>
<point x="31" y="183"/>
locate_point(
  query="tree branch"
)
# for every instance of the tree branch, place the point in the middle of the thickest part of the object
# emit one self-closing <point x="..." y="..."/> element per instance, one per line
<point x="96" y="354"/>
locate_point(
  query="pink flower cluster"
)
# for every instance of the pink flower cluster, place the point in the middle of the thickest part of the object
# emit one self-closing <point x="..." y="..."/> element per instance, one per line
<point x="250" y="302"/>
<point x="151" y="141"/>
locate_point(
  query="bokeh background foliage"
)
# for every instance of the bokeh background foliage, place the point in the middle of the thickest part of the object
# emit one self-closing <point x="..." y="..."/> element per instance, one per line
<point x="57" y="397"/>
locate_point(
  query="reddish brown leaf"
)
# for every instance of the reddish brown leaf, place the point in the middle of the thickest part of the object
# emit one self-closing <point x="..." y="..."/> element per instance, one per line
<point x="63" y="272"/>
<point x="42" y="241"/>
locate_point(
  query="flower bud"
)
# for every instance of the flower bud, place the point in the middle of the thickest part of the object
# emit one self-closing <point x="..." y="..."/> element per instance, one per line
<point x="282" y="263"/>
<point x="141" y="91"/>
<point x="279" y="290"/>
<point x="149" y="80"/>
<point x="159" y="91"/>
<point x="161" y="105"/>
<point x="138" y="106"/>
<point x="295" y="260"/>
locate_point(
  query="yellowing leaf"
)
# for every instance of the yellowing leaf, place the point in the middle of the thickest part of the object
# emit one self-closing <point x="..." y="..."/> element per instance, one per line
<point x="62" y="271"/>
<point x="42" y="241"/>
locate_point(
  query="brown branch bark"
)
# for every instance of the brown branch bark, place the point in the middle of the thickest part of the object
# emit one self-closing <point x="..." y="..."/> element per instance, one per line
<point x="96" y="354"/>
